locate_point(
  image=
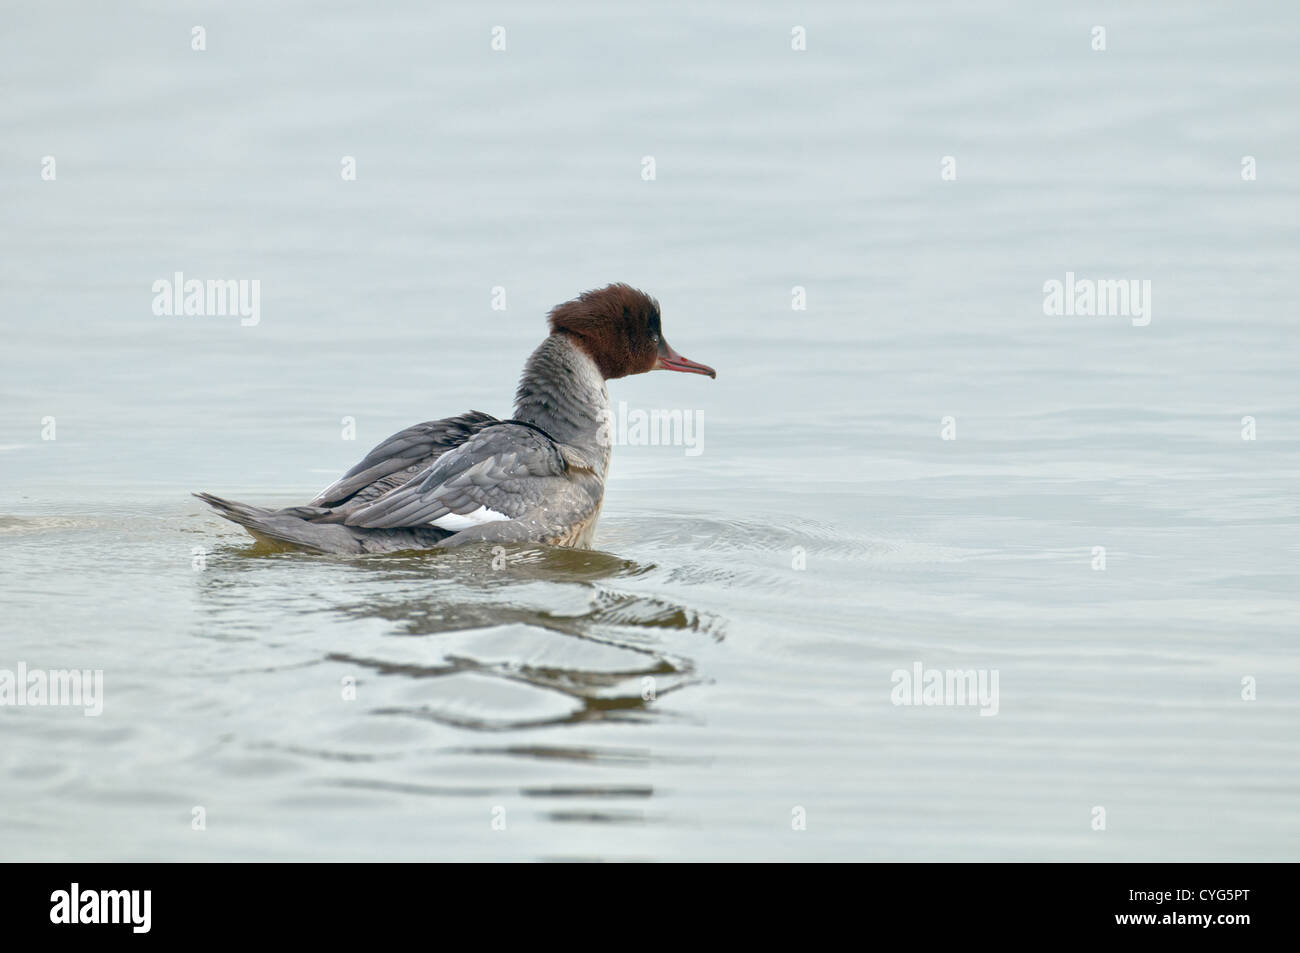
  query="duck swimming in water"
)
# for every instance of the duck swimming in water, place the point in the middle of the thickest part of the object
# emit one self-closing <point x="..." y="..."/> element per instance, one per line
<point x="538" y="477"/>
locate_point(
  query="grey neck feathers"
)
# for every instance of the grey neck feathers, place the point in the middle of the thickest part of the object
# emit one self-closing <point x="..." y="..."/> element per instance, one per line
<point x="563" y="392"/>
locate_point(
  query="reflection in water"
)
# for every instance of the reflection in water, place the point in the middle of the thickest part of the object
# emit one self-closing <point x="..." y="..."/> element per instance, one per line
<point x="485" y="639"/>
<point x="443" y="790"/>
<point x="636" y="756"/>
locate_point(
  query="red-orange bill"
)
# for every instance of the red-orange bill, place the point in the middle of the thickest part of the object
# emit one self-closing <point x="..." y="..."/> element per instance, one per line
<point x="670" y="360"/>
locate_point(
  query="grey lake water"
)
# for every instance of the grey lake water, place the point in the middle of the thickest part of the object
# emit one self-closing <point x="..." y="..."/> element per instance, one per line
<point x="918" y="468"/>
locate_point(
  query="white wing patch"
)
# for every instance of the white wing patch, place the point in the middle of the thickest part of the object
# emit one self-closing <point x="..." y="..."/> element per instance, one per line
<point x="459" y="521"/>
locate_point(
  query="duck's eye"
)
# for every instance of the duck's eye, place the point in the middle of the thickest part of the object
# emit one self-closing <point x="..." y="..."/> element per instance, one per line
<point x="654" y="338"/>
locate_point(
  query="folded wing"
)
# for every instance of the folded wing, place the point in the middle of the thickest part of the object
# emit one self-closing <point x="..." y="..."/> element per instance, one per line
<point x="501" y="472"/>
<point x="400" y="458"/>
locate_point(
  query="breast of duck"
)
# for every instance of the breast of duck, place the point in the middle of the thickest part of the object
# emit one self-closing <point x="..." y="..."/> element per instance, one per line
<point x="536" y="478"/>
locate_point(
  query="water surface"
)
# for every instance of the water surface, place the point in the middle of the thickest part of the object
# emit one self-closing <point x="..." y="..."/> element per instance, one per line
<point x="721" y="666"/>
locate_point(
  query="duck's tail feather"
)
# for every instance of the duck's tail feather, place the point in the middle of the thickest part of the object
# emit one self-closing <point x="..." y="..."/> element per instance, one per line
<point x="318" y="529"/>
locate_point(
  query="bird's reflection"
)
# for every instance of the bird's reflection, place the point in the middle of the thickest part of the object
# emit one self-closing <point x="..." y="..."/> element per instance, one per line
<point x="495" y="639"/>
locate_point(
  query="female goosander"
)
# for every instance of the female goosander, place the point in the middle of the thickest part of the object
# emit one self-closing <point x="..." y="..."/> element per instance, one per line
<point x="539" y="477"/>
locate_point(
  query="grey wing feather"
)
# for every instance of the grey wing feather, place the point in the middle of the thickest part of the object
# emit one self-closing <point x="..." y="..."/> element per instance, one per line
<point x="503" y="467"/>
<point x="401" y="457"/>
